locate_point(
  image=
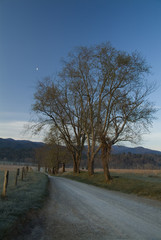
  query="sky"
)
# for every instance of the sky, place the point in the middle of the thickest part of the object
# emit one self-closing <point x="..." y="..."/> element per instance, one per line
<point x="35" y="35"/>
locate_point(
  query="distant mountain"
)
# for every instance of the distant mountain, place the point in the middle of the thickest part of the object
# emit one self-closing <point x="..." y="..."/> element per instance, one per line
<point x="18" y="150"/>
<point x="128" y="158"/>
<point x="137" y="150"/>
<point x="116" y="149"/>
<point x="19" y="144"/>
<point x="122" y="157"/>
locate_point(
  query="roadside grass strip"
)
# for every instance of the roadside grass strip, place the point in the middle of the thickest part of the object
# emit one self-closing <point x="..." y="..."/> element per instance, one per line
<point x="29" y="194"/>
<point x="145" y="185"/>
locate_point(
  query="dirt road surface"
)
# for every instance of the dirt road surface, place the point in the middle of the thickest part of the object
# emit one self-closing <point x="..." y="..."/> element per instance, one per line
<point x="76" y="211"/>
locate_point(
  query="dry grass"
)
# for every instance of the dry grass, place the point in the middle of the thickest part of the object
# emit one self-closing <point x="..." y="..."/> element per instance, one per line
<point x="9" y="167"/>
<point x="136" y="171"/>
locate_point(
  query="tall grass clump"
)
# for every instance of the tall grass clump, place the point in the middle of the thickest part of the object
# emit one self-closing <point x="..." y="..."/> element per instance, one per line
<point x="29" y="194"/>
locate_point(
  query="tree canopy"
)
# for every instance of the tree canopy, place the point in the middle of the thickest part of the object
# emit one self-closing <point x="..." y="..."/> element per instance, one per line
<point x="100" y="96"/>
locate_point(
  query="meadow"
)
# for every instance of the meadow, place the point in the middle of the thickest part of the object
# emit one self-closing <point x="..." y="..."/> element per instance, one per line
<point x="145" y="183"/>
<point x="28" y="195"/>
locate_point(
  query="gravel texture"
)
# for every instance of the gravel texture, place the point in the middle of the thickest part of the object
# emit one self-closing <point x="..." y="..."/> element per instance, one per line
<point x="77" y="211"/>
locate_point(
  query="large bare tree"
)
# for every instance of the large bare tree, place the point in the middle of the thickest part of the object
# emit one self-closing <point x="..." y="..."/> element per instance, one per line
<point x="79" y="71"/>
<point x="112" y="89"/>
<point x="101" y="97"/>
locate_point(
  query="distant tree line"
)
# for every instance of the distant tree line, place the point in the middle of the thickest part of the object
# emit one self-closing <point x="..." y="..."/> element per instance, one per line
<point x="132" y="161"/>
<point x="52" y="157"/>
<point x="17" y="155"/>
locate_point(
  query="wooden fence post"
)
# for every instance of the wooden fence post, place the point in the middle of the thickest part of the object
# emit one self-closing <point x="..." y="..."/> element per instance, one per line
<point x="6" y="176"/>
<point x="17" y="174"/>
<point x="27" y="169"/>
<point x="22" y="173"/>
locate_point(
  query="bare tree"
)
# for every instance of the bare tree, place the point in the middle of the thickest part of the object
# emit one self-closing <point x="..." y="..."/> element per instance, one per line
<point x="56" y="107"/>
<point x="48" y="157"/>
<point x="61" y="154"/>
<point x="101" y="98"/>
<point x="126" y="112"/>
<point x="79" y="71"/>
<point x="52" y="155"/>
<point x="112" y="90"/>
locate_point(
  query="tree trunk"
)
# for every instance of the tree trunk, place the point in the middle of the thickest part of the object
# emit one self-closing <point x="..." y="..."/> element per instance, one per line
<point x="76" y="163"/>
<point x="39" y="167"/>
<point x="63" y="167"/>
<point x="105" y="156"/>
<point x="91" y="166"/>
<point x="78" y="160"/>
<point x="53" y="170"/>
<point x="57" y="168"/>
<point x="90" y="155"/>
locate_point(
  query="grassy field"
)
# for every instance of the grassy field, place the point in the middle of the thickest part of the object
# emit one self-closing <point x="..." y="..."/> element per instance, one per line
<point x="146" y="183"/>
<point x="28" y="195"/>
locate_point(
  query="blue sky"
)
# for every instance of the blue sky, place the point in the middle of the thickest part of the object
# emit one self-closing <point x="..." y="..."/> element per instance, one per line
<point x="39" y="33"/>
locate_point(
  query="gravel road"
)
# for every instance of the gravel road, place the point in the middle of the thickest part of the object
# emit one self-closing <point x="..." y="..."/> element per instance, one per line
<point x="77" y="211"/>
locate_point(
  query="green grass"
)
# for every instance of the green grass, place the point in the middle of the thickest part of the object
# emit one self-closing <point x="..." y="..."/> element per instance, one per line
<point x="132" y="183"/>
<point x="27" y="195"/>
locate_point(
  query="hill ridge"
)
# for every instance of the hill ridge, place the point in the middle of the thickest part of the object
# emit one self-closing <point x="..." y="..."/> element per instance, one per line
<point x="19" y="144"/>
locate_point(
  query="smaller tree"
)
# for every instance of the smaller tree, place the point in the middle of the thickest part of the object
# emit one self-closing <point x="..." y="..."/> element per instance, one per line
<point x="56" y="107"/>
<point x="41" y="157"/>
<point x="60" y="154"/>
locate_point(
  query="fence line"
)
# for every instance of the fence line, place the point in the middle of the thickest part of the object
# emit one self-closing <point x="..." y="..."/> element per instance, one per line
<point x="24" y="171"/>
